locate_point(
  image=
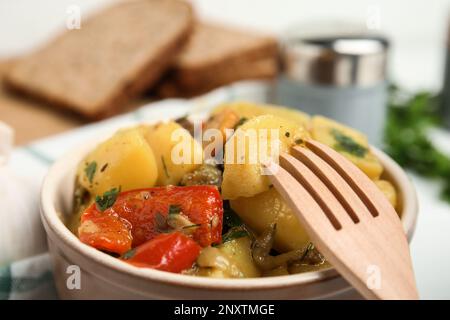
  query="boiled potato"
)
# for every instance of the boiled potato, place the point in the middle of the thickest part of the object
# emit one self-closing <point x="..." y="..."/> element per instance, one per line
<point x="243" y="175"/>
<point x="249" y="110"/>
<point x="232" y="259"/>
<point x="125" y="160"/>
<point x="260" y="211"/>
<point x="349" y="142"/>
<point x="176" y="151"/>
<point x="389" y="191"/>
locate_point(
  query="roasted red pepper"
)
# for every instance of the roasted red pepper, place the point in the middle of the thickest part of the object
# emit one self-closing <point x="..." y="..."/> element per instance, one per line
<point x="172" y="252"/>
<point x="138" y="213"/>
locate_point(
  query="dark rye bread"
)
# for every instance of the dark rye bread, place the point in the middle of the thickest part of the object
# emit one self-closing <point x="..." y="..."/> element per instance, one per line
<point x="255" y="70"/>
<point x="215" y="55"/>
<point x="116" y="55"/>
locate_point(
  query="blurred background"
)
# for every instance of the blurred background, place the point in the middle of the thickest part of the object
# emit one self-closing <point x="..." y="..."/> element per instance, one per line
<point x="392" y="60"/>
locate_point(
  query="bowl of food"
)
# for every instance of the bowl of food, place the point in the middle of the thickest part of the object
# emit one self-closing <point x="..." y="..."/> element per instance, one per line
<point x="177" y="210"/>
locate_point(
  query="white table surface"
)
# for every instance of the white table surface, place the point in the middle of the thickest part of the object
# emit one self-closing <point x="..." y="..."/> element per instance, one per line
<point x="417" y="30"/>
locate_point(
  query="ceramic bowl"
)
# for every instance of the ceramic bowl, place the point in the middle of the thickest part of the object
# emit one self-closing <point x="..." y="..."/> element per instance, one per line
<point x="82" y="272"/>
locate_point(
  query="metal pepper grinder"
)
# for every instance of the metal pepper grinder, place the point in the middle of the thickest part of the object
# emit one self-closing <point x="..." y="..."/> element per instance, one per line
<point x="339" y="76"/>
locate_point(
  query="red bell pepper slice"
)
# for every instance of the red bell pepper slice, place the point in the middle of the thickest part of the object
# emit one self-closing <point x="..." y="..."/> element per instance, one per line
<point x="172" y="252"/>
<point x="136" y="212"/>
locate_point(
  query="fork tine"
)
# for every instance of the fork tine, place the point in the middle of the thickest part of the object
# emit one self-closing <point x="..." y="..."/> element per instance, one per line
<point x="316" y="188"/>
<point x="363" y="186"/>
<point x="311" y="214"/>
<point x="367" y="191"/>
<point x="337" y="185"/>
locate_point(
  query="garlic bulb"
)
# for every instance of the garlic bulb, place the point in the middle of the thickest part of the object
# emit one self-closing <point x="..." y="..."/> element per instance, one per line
<point x="21" y="231"/>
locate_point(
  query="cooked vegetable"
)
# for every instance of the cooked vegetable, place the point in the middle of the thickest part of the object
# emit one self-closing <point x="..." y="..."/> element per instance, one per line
<point x="176" y="151"/>
<point x="125" y="160"/>
<point x="263" y="245"/>
<point x="206" y="174"/>
<point x="247" y="231"/>
<point x="351" y="143"/>
<point x="226" y="119"/>
<point x="260" y="211"/>
<point x="105" y="231"/>
<point x="172" y="252"/>
<point x="229" y="260"/>
<point x="389" y="191"/>
<point x="248" y="110"/>
<point x="139" y="213"/>
<point x="250" y="144"/>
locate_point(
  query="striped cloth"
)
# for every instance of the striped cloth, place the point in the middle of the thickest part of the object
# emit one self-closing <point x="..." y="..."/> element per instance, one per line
<point x="31" y="278"/>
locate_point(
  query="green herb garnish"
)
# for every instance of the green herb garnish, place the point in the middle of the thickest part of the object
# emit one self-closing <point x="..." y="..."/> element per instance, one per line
<point x="174" y="209"/>
<point x="230" y="218"/>
<point x="166" y="172"/>
<point x="107" y="200"/>
<point x="90" y="170"/>
<point x="308" y="249"/>
<point x="234" y="233"/>
<point x="161" y="223"/>
<point x="104" y="167"/>
<point x="347" y="144"/>
<point x="129" y="254"/>
<point x="240" y="123"/>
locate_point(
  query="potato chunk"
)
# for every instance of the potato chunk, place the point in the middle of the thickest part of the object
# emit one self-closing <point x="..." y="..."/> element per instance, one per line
<point x="389" y="191"/>
<point x="125" y="160"/>
<point x="252" y="143"/>
<point x="260" y="211"/>
<point x="349" y="142"/>
<point x="250" y="110"/>
<point x="176" y="151"/>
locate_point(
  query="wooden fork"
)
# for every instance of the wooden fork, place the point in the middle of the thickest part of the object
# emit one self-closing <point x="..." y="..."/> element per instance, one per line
<point x="348" y="218"/>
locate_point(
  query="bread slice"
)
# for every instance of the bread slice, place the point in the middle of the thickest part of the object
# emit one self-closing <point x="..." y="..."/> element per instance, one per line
<point x="217" y="55"/>
<point x="115" y="55"/>
<point x="255" y="70"/>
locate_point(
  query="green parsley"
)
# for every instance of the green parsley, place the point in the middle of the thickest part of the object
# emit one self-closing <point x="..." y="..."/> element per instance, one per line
<point x="240" y="123"/>
<point x="234" y="233"/>
<point x="90" y="170"/>
<point x="107" y="200"/>
<point x="409" y="118"/>
<point x="174" y="209"/>
<point x="347" y="144"/>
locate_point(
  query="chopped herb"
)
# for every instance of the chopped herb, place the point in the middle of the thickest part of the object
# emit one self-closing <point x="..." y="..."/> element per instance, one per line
<point x="230" y="218"/>
<point x="309" y="248"/>
<point x="240" y="122"/>
<point x="161" y="223"/>
<point x="174" y="209"/>
<point x="129" y="254"/>
<point x="347" y="144"/>
<point x="165" y="167"/>
<point x="90" y="170"/>
<point x="104" y="167"/>
<point x="298" y="141"/>
<point x="234" y="233"/>
<point x="107" y="200"/>
<point x="287" y="134"/>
